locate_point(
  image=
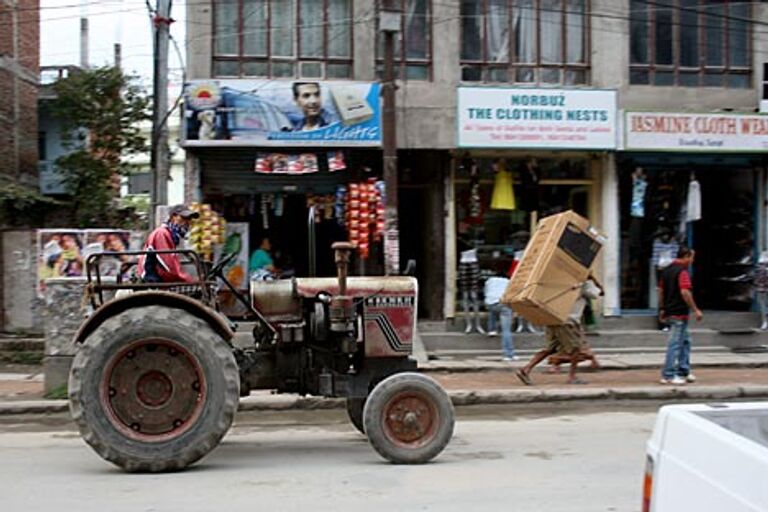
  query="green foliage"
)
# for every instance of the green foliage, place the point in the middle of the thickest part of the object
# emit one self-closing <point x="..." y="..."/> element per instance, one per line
<point x="18" y="202"/>
<point x="100" y="111"/>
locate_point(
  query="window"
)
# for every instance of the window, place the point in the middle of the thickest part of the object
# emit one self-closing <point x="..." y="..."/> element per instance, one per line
<point x="690" y="43"/>
<point x="524" y="41"/>
<point x="283" y="38"/>
<point x="413" y="44"/>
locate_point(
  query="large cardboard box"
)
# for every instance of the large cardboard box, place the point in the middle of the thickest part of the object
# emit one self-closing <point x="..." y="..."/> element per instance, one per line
<point x="558" y="259"/>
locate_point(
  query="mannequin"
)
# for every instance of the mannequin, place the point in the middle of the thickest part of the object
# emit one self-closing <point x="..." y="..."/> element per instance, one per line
<point x="469" y="284"/>
<point x="760" y="282"/>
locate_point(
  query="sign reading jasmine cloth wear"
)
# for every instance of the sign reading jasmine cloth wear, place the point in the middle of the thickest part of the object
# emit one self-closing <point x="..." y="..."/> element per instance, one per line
<point x="281" y="113"/>
<point x="678" y="131"/>
<point x="517" y="117"/>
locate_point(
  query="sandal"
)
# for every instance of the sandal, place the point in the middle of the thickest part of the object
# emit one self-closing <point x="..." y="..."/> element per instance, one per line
<point x="524" y="378"/>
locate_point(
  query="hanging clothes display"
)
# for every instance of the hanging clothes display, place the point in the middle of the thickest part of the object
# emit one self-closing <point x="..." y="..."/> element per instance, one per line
<point x="693" y="209"/>
<point x="503" y="197"/>
<point x="475" y="207"/>
<point x="639" y="187"/>
<point x="529" y="180"/>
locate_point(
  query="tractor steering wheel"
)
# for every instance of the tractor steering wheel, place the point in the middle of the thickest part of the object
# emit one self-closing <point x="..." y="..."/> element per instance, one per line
<point x="226" y="260"/>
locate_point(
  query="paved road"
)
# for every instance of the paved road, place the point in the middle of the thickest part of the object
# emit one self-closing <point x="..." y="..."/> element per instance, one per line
<point x="562" y="457"/>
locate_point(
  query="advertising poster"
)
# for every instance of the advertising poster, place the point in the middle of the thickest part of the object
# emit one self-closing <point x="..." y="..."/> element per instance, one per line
<point x="520" y="117"/>
<point x="236" y="241"/>
<point x="60" y="255"/>
<point x="678" y="131"/>
<point x="104" y="240"/>
<point x="281" y="113"/>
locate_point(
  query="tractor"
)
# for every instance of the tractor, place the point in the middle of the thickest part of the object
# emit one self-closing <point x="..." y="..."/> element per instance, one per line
<point x="156" y="379"/>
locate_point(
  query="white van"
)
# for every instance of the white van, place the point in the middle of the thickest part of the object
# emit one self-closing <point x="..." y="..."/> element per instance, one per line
<point x="708" y="457"/>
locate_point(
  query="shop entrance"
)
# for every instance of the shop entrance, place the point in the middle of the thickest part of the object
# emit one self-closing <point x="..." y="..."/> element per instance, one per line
<point x="550" y="185"/>
<point x="723" y="238"/>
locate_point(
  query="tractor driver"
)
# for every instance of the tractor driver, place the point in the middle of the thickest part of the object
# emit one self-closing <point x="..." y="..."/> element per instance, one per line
<point x="166" y="268"/>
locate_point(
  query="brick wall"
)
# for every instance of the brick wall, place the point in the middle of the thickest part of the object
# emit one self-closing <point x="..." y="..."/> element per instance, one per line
<point x="19" y="72"/>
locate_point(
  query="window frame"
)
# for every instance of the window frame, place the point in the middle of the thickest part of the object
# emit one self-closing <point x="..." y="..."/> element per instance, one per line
<point x="402" y="62"/>
<point x="242" y="58"/>
<point x="486" y="66"/>
<point x="703" y="70"/>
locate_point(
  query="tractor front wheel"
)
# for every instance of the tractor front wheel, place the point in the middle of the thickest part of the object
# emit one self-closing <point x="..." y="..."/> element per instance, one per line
<point x="153" y="389"/>
<point x="408" y="418"/>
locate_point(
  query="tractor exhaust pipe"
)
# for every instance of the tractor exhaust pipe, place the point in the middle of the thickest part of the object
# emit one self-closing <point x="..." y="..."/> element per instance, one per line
<point x="342" y="252"/>
<point x="341" y="309"/>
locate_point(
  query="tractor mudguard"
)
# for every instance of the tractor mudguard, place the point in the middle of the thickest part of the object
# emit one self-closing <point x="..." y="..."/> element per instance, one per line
<point x="217" y="322"/>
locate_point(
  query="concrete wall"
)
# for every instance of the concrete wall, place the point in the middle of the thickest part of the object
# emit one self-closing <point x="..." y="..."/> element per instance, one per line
<point x="21" y="308"/>
<point x="63" y="312"/>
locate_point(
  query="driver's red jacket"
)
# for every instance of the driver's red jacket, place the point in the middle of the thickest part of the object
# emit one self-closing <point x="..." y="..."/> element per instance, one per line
<point x="164" y="268"/>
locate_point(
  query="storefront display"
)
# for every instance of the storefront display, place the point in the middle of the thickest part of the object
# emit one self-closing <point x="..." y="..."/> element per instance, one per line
<point x="207" y="231"/>
<point x="702" y="171"/>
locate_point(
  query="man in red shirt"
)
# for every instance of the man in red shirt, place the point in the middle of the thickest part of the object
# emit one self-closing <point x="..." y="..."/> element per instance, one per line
<point x="166" y="268"/>
<point x="675" y="304"/>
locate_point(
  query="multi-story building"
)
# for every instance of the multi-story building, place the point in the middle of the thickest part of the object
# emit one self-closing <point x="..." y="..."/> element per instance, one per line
<point x="19" y="76"/>
<point x="573" y="97"/>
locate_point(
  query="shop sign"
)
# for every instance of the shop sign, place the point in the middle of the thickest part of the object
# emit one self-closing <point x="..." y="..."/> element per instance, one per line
<point x="516" y="117"/>
<point x="668" y="131"/>
<point x="281" y="113"/>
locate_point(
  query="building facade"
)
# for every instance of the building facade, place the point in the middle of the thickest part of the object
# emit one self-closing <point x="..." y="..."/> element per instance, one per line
<point x="19" y="76"/>
<point x="616" y="62"/>
<point x="19" y="69"/>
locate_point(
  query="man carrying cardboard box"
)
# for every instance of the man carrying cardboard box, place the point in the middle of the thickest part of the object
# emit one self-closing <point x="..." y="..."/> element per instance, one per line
<point x="567" y="340"/>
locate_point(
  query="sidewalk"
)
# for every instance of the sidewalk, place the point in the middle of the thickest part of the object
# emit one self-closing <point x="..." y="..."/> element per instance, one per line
<point x="626" y="375"/>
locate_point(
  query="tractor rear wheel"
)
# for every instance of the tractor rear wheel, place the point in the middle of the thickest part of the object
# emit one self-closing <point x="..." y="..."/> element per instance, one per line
<point x="153" y="389"/>
<point x="355" y="412"/>
<point x="408" y="418"/>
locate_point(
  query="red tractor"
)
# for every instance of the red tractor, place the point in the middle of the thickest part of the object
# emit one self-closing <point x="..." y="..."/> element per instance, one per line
<point x="157" y="378"/>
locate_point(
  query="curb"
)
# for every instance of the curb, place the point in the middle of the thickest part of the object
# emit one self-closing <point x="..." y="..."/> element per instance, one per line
<point x="459" y="398"/>
<point x="474" y="367"/>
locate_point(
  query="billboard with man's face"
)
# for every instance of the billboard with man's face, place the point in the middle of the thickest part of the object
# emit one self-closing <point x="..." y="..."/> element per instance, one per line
<point x="281" y="113"/>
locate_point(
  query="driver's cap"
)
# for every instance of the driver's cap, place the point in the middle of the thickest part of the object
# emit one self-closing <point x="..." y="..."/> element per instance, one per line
<point x="183" y="211"/>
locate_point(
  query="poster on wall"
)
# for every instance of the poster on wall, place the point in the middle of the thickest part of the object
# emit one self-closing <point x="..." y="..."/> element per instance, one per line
<point x="236" y="241"/>
<point x="60" y="255"/>
<point x="679" y="131"/>
<point x="519" y="117"/>
<point x="281" y="113"/>
<point x="106" y="240"/>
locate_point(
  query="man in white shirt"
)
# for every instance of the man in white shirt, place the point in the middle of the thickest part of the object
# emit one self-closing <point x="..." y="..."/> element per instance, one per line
<point x="493" y="291"/>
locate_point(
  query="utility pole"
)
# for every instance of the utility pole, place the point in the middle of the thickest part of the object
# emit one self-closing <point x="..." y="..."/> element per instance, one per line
<point x="118" y="56"/>
<point x="84" y="43"/>
<point x="160" y="156"/>
<point x="389" y="23"/>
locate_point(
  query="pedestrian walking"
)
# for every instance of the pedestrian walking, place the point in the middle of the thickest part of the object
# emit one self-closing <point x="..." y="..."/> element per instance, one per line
<point x="567" y="341"/>
<point x="675" y="305"/>
<point x="499" y="314"/>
